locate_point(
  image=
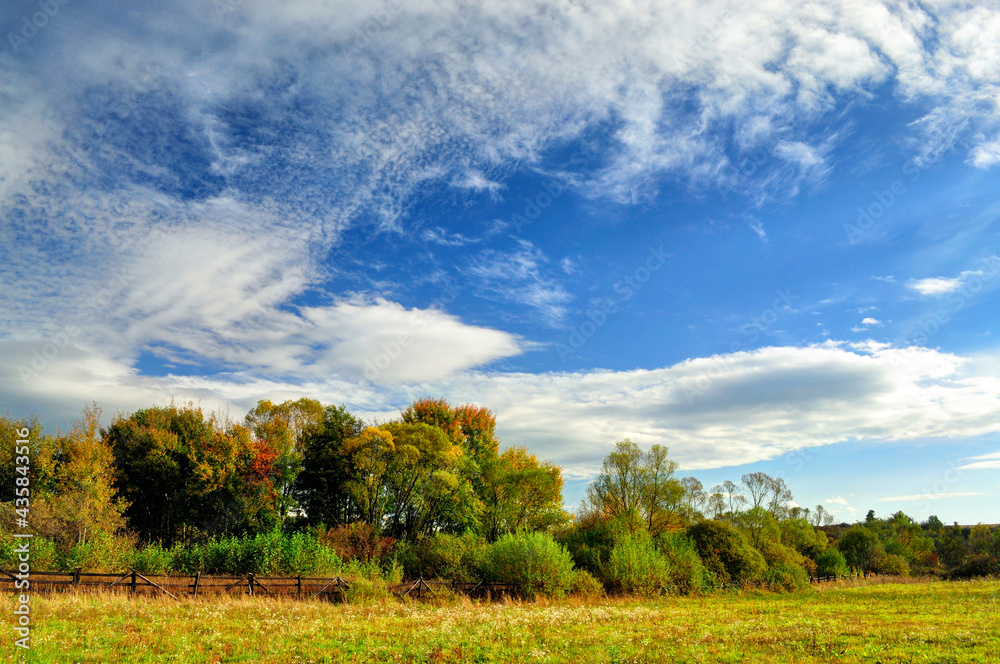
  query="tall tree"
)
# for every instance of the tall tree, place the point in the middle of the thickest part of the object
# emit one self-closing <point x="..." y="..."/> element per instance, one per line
<point x="639" y="487"/>
<point x="321" y="485"/>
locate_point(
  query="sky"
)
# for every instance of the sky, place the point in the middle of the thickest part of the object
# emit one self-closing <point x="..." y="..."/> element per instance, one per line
<point x="764" y="234"/>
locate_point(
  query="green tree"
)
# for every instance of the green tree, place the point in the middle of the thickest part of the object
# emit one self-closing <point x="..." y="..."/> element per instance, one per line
<point x="639" y="486"/>
<point x="860" y="546"/>
<point x="320" y="487"/>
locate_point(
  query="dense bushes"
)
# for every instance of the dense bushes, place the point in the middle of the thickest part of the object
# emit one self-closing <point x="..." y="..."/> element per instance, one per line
<point x="533" y="562"/>
<point x="726" y="553"/>
<point x="442" y="556"/>
<point x="687" y="573"/>
<point x="831" y="563"/>
<point x="635" y="567"/>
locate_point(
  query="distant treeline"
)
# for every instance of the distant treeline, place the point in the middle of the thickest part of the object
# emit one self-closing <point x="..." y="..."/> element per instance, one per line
<point x="302" y="488"/>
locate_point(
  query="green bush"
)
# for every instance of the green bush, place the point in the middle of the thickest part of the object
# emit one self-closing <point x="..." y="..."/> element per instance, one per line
<point x="101" y="553"/>
<point x="152" y="559"/>
<point x="785" y="576"/>
<point x="585" y="585"/>
<point x="977" y="565"/>
<point x="635" y="567"/>
<point x="831" y="563"/>
<point x="442" y="556"/>
<point x="891" y="563"/>
<point x="687" y="573"/>
<point x="533" y="562"/>
<point x="726" y="553"/>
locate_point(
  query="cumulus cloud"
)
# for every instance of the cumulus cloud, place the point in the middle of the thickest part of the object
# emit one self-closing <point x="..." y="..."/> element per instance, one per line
<point x="712" y="412"/>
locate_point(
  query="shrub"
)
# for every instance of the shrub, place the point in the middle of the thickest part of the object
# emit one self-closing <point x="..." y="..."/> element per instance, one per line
<point x="975" y="566"/>
<point x="356" y="541"/>
<point x="636" y="567"/>
<point x="687" y="573"/>
<point x="891" y="563"/>
<point x="442" y="556"/>
<point x="726" y="553"/>
<point x="785" y="576"/>
<point x="152" y="559"/>
<point x="831" y="563"/>
<point x="533" y="562"/>
<point x="101" y="553"/>
<point x="585" y="585"/>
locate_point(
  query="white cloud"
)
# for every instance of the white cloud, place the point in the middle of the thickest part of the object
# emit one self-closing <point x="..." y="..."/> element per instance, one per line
<point x="927" y="496"/>
<point x="991" y="460"/>
<point x="871" y="322"/>
<point x="946" y="285"/>
<point x="520" y="276"/>
<point x="712" y="412"/>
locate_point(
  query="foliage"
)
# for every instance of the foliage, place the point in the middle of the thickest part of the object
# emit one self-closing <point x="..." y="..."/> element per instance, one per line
<point x="319" y="487"/>
<point x="533" y="562"/>
<point x="639" y="485"/>
<point x="687" y="573"/>
<point x="726" y="553"/>
<point x="860" y="546"/>
<point x="891" y="563"/>
<point x="636" y="567"/>
<point x="519" y="492"/>
<point x="443" y="556"/>
<point x="831" y="563"/>
<point x="585" y="585"/>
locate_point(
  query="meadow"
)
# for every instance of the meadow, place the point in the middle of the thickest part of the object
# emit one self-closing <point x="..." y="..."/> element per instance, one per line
<point x="863" y="621"/>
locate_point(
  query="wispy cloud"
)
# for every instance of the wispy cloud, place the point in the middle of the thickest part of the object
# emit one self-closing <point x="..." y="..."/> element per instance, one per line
<point x="521" y="276"/>
<point x="928" y="496"/>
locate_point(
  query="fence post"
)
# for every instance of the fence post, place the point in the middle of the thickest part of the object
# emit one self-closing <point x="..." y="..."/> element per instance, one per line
<point x="133" y="582"/>
<point x="76" y="576"/>
<point x="197" y="581"/>
<point x="299" y="580"/>
<point x="250" y="580"/>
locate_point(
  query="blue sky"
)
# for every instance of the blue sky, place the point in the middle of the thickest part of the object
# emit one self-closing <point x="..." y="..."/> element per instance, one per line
<point x="766" y="235"/>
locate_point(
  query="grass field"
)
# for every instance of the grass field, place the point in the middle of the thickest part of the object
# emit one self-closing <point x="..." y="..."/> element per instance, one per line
<point x="871" y="623"/>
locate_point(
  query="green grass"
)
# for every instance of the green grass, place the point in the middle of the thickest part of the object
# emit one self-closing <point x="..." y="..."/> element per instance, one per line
<point x="915" y="622"/>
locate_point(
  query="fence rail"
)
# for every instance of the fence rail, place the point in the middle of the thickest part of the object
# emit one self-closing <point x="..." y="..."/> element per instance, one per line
<point x="137" y="583"/>
<point x="333" y="589"/>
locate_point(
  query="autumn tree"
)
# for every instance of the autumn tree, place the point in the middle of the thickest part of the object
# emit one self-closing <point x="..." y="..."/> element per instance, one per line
<point x="520" y="493"/>
<point x="186" y="476"/>
<point x="282" y="429"/>
<point x="638" y="487"/>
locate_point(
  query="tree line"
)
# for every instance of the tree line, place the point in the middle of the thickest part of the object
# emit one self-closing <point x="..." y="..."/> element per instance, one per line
<point x="299" y="487"/>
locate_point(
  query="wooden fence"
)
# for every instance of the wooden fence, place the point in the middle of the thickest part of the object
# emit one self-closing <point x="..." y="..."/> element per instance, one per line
<point x="135" y="583"/>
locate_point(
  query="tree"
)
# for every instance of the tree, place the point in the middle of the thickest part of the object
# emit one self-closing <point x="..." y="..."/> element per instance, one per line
<point x="518" y="492"/>
<point x="320" y="486"/>
<point x="695" y="498"/>
<point x="860" y="546"/>
<point x="728" y="499"/>
<point x="636" y="485"/>
<point x="821" y="517"/>
<point x="187" y="477"/>
<point x="282" y="428"/>
<point x="726" y="553"/>
<point x="427" y="488"/>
